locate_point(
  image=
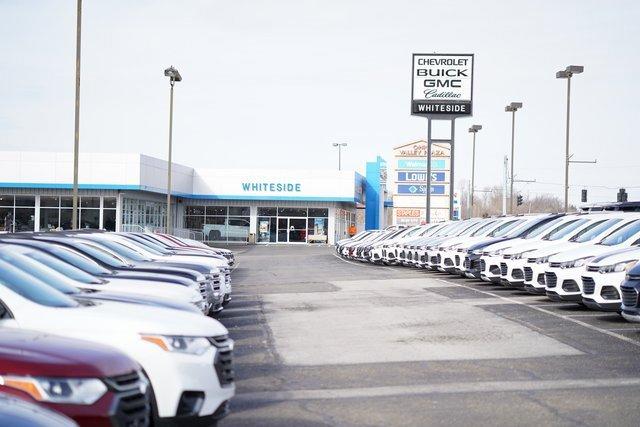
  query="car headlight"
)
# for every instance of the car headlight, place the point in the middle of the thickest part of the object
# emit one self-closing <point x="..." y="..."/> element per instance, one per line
<point x="179" y="344"/>
<point x="580" y="262"/>
<point x="77" y="391"/>
<point x="543" y="259"/>
<point x="618" y="267"/>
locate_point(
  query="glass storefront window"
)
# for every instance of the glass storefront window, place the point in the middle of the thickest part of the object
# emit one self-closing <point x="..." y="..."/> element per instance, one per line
<point x="90" y="218"/>
<point x="6" y="218"/>
<point x="49" y="201"/>
<point x="65" y="219"/>
<point x="238" y="211"/>
<point x="109" y="202"/>
<point x="237" y="229"/>
<point x="267" y="211"/>
<point x="194" y="210"/>
<point x="109" y="219"/>
<point x="49" y="218"/>
<point x="299" y="212"/>
<point x="90" y="202"/>
<point x="6" y="200"/>
<point x="215" y="228"/>
<point x="194" y="222"/>
<point x="267" y="229"/>
<point x="66" y="201"/>
<point x="318" y="212"/>
<point x="216" y="210"/>
<point x="25" y="219"/>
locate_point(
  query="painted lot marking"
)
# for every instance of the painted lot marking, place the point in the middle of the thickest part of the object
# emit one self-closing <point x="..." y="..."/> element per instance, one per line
<point x="560" y="316"/>
<point x="431" y="389"/>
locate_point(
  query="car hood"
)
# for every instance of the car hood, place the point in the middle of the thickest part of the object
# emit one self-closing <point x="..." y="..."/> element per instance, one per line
<point x="613" y="257"/>
<point x="525" y="246"/>
<point x="25" y="352"/>
<point x="583" y="252"/>
<point x="144" y="287"/>
<point x="92" y="294"/>
<point x="550" y="250"/>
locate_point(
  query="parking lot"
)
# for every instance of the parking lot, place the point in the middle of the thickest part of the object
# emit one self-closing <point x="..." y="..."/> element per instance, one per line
<point x="325" y="341"/>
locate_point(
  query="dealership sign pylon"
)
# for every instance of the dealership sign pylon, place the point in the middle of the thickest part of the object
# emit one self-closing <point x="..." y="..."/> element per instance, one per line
<point x="441" y="89"/>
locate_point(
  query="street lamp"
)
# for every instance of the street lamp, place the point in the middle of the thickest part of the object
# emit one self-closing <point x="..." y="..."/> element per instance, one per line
<point x="174" y="76"/>
<point x="76" y="129"/>
<point x="340" y="145"/>
<point x="473" y="129"/>
<point x="512" y="108"/>
<point x="567" y="73"/>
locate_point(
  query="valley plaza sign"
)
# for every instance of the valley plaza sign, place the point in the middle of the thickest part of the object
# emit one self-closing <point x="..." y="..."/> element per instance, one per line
<point x="442" y="84"/>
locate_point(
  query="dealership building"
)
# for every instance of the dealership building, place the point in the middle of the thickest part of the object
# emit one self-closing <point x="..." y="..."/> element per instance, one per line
<point x="127" y="192"/>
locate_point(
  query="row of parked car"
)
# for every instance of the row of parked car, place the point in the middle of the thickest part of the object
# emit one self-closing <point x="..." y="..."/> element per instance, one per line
<point x="588" y="258"/>
<point x="113" y="329"/>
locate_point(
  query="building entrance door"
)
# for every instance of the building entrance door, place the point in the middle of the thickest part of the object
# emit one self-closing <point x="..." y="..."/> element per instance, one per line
<point x="292" y="230"/>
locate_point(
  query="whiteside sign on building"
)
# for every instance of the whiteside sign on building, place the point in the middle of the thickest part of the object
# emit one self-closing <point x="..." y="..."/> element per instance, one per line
<point x="442" y="84"/>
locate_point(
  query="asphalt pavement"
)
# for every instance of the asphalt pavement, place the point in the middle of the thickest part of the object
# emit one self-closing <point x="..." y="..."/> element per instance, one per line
<point x="324" y="341"/>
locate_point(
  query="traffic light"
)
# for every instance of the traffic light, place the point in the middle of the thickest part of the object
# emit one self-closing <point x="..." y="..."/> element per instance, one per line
<point x="519" y="200"/>
<point x="622" y="195"/>
<point x="584" y="196"/>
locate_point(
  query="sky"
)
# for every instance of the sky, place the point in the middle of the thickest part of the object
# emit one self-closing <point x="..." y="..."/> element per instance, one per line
<point x="272" y="84"/>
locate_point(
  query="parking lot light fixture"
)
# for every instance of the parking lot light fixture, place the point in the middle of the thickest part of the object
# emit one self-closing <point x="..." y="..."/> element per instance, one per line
<point x="567" y="73"/>
<point x="174" y="76"/>
<point x="474" y="130"/>
<point x="339" y="145"/>
<point x="512" y="108"/>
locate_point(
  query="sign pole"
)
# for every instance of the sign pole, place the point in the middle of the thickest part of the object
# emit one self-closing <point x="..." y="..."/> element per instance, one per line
<point x="451" y="170"/>
<point x="428" y="177"/>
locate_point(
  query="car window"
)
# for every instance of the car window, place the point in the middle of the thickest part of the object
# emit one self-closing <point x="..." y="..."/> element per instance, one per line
<point x="122" y="250"/>
<point x="140" y="248"/>
<point x="565" y="229"/>
<point x="149" y="245"/>
<point x="505" y="228"/>
<point x="39" y="271"/>
<point x="31" y="288"/>
<point x="594" y="230"/>
<point x="103" y="255"/>
<point x="483" y="228"/>
<point x="622" y="234"/>
<point x="80" y="261"/>
<point x="537" y="231"/>
<point x="62" y="267"/>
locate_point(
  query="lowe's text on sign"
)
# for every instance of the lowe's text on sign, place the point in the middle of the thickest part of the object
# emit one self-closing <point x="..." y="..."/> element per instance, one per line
<point x="420" y="176"/>
<point x="420" y="189"/>
<point x="442" y="84"/>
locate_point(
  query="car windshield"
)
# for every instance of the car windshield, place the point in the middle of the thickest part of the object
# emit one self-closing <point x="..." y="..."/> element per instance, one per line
<point x="505" y="228"/>
<point x="140" y="248"/>
<point x="536" y="231"/>
<point x="39" y="271"/>
<point x="80" y="261"/>
<point x="150" y="246"/>
<point x="122" y="250"/>
<point x="31" y="288"/>
<point x="483" y="229"/>
<point x="565" y="229"/>
<point x="594" y="230"/>
<point x="523" y="227"/>
<point x="102" y="255"/>
<point x="622" y="234"/>
<point x="63" y="268"/>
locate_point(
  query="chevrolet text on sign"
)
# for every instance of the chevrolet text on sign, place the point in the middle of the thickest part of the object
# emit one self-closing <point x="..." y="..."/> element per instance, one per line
<point x="442" y="84"/>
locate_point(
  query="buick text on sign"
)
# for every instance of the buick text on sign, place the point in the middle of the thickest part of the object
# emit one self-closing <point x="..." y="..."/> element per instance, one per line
<point x="442" y="84"/>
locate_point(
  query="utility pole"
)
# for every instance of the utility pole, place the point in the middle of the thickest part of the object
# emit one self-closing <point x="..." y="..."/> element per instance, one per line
<point x="504" y="185"/>
<point x="340" y="145"/>
<point x="512" y="108"/>
<point x="76" y="133"/>
<point x="174" y="76"/>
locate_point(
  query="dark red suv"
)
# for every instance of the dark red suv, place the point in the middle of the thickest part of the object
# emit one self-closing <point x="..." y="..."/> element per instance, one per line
<point x="94" y="384"/>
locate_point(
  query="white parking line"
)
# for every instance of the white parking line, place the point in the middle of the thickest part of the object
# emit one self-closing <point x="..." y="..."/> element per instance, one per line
<point x="359" y="264"/>
<point x="427" y="389"/>
<point x="538" y="308"/>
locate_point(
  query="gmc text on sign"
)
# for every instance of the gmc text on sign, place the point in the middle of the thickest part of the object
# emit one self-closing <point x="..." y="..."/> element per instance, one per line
<point x="442" y="84"/>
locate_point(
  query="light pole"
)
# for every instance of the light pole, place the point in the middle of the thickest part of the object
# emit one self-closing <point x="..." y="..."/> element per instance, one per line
<point x="567" y="73"/>
<point x="512" y="108"/>
<point x="174" y="76"/>
<point x="473" y="129"/>
<point x="76" y="133"/>
<point x="340" y="145"/>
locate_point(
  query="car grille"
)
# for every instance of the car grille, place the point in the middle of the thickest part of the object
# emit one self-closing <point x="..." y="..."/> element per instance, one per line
<point x="483" y="265"/>
<point x="204" y="289"/>
<point x="629" y="297"/>
<point x="223" y="362"/>
<point x="506" y="256"/>
<point x="588" y="285"/>
<point x="438" y="258"/>
<point x="531" y="260"/>
<point x="457" y="259"/>
<point x="131" y="397"/>
<point x="503" y="269"/>
<point x="401" y="255"/>
<point x="474" y="264"/>
<point x="528" y="274"/>
<point x="551" y="279"/>
<point x="517" y="274"/>
<point x="593" y="268"/>
<point x="555" y="264"/>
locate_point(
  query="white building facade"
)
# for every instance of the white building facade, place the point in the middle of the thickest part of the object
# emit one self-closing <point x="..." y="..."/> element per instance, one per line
<point x="127" y="192"/>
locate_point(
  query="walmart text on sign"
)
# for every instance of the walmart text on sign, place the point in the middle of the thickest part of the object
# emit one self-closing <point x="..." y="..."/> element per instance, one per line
<point x="422" y="164"/>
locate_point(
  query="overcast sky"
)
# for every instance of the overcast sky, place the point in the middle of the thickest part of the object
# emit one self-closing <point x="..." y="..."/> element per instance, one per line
<point x="271" y="84"/>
